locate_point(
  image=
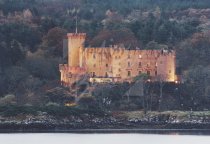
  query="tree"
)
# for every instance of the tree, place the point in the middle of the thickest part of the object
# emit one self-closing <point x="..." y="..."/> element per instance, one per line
<point x="13" y="76"/>
<point x="4" y="56"/>
<point x="26" y="90"/>
<point x="88" y="103"/>
<point x="54" y="41"/>
<point x="115" y="37"/>
<point x="161" y="81"/>
<point x="17" y="52"/>
<point x="196" y="86"/>
<point x="194" y="51"/>
<point x="141" y="83"/>
<point x="43" y="68"/>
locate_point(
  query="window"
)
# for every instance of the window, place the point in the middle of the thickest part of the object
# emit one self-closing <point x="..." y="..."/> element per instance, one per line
<point x="148" y="73"/>
<point x="118" y="75"/>
<point x="161" y="62"/>
<point x="129" y="64"/>
<point x="115" y="57"/>
<point x="107" y="65"/>
<point x="94" y="56"/>
<point x="129" y="56"/>
<point x="147" y="64"/>
<point x="156" y="73"/>
<point x="94" y="65"/>
<point x="94" y="74"/>
<point x="106" y="74"/>
<point x="119" y="70"/>
<point x="140" y="56"/>
<point x="169" y="71"/>
<point x="140" y="72"/>
<point x="129" y="73"/>
<point x="139" y="64"/>
<point x="69" y="75"/>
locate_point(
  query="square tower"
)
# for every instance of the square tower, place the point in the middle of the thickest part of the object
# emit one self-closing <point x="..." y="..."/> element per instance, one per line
<point x="75" y="49"/>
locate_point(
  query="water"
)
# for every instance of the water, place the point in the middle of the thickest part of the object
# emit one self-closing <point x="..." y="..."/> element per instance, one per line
<point x="65" y="138"/>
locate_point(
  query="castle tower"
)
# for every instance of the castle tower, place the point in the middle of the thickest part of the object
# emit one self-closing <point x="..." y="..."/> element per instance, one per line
<point x="75" y="48"/>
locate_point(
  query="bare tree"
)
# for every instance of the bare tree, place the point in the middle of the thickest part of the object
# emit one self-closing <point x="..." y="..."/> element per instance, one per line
<point x="161" y="79"/>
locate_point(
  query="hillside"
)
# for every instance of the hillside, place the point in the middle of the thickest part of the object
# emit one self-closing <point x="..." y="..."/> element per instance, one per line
<point x="32" y="34"/>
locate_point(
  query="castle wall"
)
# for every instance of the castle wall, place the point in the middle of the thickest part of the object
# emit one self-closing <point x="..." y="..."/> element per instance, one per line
<point x="98" y="62"/>
<point x="126" y="64"/>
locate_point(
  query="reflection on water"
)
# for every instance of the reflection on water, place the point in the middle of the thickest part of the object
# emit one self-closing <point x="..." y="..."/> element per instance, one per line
<point x="61" y="138"/>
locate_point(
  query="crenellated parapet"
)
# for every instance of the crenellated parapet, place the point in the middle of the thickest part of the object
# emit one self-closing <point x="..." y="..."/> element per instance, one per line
<point x="75" y="70"/>
<point x="77" y="35"/>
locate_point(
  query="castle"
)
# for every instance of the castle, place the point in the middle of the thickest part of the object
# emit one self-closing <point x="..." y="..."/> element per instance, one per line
<point x="114" y="63"/>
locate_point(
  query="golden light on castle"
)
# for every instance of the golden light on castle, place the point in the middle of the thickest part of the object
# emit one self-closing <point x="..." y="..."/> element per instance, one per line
<point x="114" y="63"/>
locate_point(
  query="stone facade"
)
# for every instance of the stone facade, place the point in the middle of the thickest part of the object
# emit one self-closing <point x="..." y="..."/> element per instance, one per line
<point x="115" y="64"/>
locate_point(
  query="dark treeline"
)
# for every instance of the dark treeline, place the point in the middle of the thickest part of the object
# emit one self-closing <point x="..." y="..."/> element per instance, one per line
<point x="32" y="33"/>
<point x="124" y="6"/>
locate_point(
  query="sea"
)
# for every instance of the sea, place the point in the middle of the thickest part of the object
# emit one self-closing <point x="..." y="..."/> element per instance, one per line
<point x="127" y="138"/>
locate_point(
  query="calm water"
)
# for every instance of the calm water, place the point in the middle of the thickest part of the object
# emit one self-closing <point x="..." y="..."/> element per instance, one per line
<point x="53" y="138"/>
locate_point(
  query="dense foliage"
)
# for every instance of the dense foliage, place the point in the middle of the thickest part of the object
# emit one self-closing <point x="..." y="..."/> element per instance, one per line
<point x="32" y="34"/>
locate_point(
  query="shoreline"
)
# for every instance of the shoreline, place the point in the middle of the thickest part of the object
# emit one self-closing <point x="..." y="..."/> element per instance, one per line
<point x="190" y="129"/>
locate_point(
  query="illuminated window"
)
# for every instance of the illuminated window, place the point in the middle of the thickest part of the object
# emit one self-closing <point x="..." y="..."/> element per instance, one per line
<point x="129" y="73"/>
<point x="140" y="56"/>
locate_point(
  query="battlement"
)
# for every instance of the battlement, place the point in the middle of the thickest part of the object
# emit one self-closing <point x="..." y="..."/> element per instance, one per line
<point x="65" y="67"/>
<point x="76" y="35"/>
